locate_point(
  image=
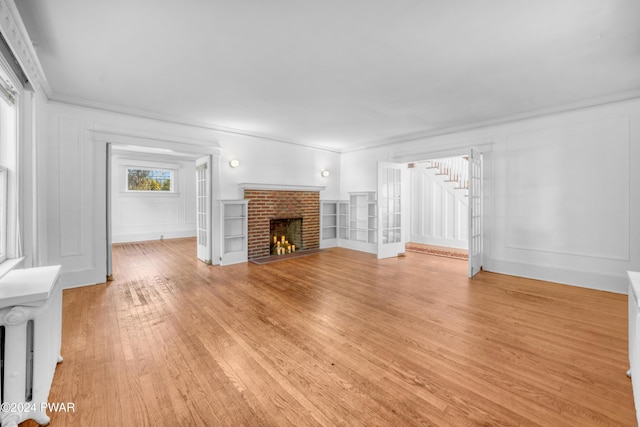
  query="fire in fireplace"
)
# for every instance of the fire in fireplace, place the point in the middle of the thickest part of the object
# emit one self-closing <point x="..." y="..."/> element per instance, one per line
<point x="286" y="235"/>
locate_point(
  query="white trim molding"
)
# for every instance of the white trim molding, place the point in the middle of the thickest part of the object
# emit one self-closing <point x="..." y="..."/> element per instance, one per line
<point x="9" y="265"/>
<point x="280" y="187"/>
<point x="157" y="141"/>
<point x="609" y="282"/>
<point x="15" y="33"/>
<point x="439" y="151"/>
<point x="504" y="120"/>
<point x="101" y="106"/>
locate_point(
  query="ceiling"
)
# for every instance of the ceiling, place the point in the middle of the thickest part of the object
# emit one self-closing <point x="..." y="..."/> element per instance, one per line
<point x="332" y="73"/>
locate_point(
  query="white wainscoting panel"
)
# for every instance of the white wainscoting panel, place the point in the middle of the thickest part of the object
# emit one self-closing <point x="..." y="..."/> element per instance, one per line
<point x="70" y="187"/>
<point x="148" y="213"/>
<point x="568" y="189"/>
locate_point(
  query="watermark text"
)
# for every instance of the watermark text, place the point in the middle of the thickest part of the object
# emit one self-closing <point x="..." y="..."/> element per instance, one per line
<point x="24" y="407"/>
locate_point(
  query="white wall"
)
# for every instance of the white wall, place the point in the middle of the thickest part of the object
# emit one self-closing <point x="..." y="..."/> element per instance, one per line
<point x="560" y="191"/>
<point x="562" y="196"/>
<point x="140" y="216"/>
<point x="439" y="212"/>
<point x="359" y="170"/>
<point x="272" y="162"/>
<point x="72" y="177"/>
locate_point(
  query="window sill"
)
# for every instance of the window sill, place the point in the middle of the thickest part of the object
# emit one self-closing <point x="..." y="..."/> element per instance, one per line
<point x="9" y="264"/>
<point x="149" y="194"/>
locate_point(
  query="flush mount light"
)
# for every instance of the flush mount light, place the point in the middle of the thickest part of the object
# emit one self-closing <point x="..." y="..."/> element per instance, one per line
<point x="234" y="163"/>
<point x="324" y="173"/>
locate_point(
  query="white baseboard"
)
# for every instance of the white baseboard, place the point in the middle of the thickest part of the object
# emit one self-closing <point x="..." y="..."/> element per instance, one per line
<point x="140" y="237"/>
<point x="81" y="278"/>
<point x="583" y="279"/>
<point x="371" y="248"/>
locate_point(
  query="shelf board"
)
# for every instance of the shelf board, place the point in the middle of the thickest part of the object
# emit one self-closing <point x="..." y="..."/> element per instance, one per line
<point x="236" y="236"/>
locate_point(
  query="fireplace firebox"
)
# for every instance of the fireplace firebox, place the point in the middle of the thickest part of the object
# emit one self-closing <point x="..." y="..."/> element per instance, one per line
<point x="289" y="228"/>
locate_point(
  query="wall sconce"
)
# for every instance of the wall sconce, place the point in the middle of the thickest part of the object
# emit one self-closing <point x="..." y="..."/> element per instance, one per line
<point x="324" y="173"/>
<point x="234" y="163"/>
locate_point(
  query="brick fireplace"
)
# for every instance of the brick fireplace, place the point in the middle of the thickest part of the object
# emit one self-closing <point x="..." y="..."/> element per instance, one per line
<point x="266" y="205"/>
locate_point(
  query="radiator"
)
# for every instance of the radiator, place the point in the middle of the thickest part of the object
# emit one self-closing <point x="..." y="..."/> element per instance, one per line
<point x="30" y="332"/>
<point x="634" y="339"/>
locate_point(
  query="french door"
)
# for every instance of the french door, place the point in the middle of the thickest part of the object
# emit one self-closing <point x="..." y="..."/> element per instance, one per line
<point x="390" y="209"/>
<point x="475" y="212"/>
<point x="108" y="215"/>
<point x="203" y="209"/>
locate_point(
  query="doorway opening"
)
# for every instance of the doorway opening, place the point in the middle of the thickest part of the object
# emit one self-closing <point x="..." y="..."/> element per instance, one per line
<point x="445" y="207"/>
<point x="157" y="194"/>
<point x="439" y="207"/>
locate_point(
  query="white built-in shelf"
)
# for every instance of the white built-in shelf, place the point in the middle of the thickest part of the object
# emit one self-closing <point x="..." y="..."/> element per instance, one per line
<point x="350" y="223"/>
<point x="328" y="223"/>
<point x="343" y="220"/>
<point x="363" y="219"/>
<point x="235" y="236"/>
<point x="234" y="231"/>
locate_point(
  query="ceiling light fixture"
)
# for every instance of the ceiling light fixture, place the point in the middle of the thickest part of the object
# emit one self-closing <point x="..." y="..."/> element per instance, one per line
<point x="234" y="163"/>
<point x="324" y="173"/>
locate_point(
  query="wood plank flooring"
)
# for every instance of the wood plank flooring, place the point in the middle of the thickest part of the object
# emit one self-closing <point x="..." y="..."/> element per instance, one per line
<point x="337" y="338"/>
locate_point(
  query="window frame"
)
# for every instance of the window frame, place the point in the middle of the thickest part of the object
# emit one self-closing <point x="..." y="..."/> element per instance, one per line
<point x="173" y="179"/>
<point x="4" y="207"/>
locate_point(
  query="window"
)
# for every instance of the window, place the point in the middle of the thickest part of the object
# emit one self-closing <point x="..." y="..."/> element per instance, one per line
<point x="9" y="234"/>
<point x="11" y="97"/>
<point x="3" y="214"/>
<point x="145" y="179"/>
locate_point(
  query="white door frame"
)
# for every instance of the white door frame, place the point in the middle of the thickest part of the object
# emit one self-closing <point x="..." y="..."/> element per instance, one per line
<point x="455" y="150"/>
<point x="104" y="137"/>
<point x="108" y="215"/>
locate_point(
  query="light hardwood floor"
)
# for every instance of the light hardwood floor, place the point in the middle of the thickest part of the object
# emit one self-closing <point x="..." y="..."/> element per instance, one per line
<point x="336" y="338"/>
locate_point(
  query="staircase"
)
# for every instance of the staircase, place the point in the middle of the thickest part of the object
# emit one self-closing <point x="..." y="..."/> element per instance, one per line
<point x="440" y="204"/>
<point x="453" y="169"/>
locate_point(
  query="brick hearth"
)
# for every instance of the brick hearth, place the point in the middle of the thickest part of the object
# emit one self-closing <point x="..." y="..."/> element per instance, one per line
<point x="265" y="205"/>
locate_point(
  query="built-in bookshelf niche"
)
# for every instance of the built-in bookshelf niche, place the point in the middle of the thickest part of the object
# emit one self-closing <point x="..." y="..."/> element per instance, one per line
<point x="234" y="231"/>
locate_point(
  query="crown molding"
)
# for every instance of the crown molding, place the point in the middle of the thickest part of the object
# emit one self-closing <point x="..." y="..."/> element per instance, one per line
<point x="15" y="33"/>
<point x="95" y="105"/>
<point x="565" y="108"/>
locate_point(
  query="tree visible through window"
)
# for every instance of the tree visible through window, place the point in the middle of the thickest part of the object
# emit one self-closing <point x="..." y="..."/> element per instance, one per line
<point x="149" y="179"/>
